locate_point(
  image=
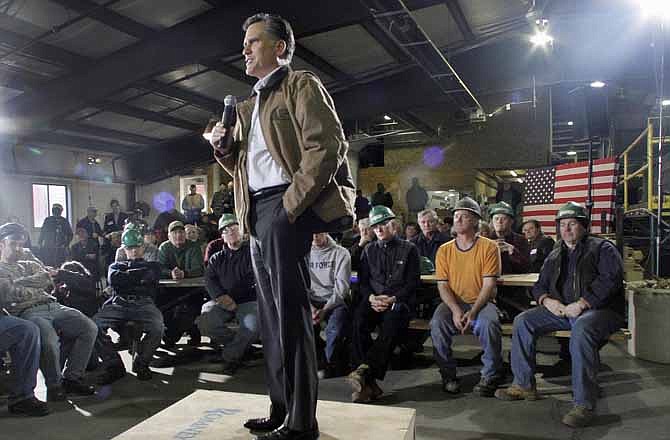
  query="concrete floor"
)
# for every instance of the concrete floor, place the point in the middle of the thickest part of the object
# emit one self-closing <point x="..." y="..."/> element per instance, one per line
<point x="635" y="402"/>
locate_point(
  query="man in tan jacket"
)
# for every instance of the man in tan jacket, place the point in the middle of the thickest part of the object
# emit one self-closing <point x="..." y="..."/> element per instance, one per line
<point x="287" y="156"/>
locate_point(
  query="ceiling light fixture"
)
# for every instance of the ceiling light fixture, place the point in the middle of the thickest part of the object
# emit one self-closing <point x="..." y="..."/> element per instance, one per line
<point x="597" y="84"/>
<point x="665" y="102"/>
<point x="513" y="173"/>
<point x="571" y="153"/>
<point x="570" y="123"/>
<point x="542" y="37"/>
<point x="387" y="118"/>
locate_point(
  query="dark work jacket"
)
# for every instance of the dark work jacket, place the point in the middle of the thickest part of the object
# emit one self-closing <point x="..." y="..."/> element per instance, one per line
<point x="428" y="248"/>
<point x="77" y="290"/>
<point x="109" y="225"/>
<point x="391" y="268"/>
<point x="539" y="250"/>
<point x="356" y="252"/>
<point x="92" y="226"/>
<point x="593" y="271"/>
<point x="229" y="272"/>
<point x="134" y="277"/>
<point x="519" y="261"/>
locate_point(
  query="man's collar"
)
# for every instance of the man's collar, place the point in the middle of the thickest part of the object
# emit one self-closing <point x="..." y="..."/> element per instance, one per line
<point x="271" y="80"/>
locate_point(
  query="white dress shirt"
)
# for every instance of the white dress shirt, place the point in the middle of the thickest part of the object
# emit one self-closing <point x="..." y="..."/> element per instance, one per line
<point x="262" y="169"/>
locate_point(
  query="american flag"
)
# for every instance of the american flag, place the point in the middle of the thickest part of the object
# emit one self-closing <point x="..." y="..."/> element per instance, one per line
<point x="547" y="189"/>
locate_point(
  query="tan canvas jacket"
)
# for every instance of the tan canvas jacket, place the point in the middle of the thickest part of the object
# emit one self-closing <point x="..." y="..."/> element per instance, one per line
<point x="304" y="135"/>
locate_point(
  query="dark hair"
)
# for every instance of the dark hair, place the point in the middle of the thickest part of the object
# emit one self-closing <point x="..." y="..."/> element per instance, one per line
<point x="534" y="222"/>
<point x="415" y="225"/>
<point x="75" y="266"/>
<point x="278" y="28"/>
<point x="113" y="202"/>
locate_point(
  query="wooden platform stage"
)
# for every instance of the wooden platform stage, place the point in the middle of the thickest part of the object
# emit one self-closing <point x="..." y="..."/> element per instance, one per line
<point x="218" y="415"/>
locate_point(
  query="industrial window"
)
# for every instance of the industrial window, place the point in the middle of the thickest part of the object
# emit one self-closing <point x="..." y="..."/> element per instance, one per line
<point x="44" y="196"/>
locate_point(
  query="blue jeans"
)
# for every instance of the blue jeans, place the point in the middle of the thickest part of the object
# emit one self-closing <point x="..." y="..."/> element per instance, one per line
<point x="337" y="328"/>
<point x="212" y="322"/>
<point x="22" y="339"/>
<point x="66" y="327"/>
<point x="589" y="331"/>
<point x="117" y="312"/>
<point x="486" y="328"/>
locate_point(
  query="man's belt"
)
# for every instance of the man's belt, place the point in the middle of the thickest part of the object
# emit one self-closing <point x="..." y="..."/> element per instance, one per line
<point x="264" y="193"/>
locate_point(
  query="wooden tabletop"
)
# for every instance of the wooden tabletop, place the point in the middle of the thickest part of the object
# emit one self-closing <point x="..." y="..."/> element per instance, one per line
<point x="521" y="280"/>
<point x="186" y="282"/>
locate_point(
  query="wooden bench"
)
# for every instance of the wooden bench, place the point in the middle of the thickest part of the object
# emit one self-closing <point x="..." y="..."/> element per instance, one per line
<point x="424" y="324"/>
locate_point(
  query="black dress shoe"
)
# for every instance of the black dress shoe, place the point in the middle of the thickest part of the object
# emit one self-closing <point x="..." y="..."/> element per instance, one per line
<point x="78" y="387"/>
<point x="263" y="424"/>
<point x="284" y="433"/>
<point x="29" y="407"/>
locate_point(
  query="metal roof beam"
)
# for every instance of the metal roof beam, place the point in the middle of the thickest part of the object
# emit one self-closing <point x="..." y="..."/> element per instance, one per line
<point x="321" y="64"/>
<point x="202" y="37"/>
<point x="385" y="41"/>
<point x="196" y="99"/>
<point x="43" y="51"/>
<point x="462" y="23"/>
<point x="92" y="130"/>
<point x="52" y="138"/>
<point x="146" y="115"/>
<point x="108" y="17"/>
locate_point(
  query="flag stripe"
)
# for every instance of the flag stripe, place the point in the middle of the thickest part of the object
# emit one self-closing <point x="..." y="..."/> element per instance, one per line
<point x="547" y="189"/>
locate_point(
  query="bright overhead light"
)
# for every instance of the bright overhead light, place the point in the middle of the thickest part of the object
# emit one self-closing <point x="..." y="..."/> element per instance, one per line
<point x="570" y="123"/>
<point x="571" y="153"/>
<point x="655" y="8"/>
<point x="597" y="84"/>
<point x="541" y="38"/>
<point x="513" y="173"/>
<point x="387" y="118"/>
<point x="665" y="102"/>
<point x="520" y="180"/>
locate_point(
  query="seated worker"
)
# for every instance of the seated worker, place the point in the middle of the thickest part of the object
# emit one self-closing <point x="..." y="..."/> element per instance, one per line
<point x="135" y="284"/>
<point x="430" y="238"/>
<point x="514" y="253"/>
<point x="467" y="269"/>
<point x="86" y="251"/>
<point x="180" y="258"/>
<point x="540" y="244"/>
<point x="330" y="274"/>
<point x="23" y="293"/>
<point x="75" y="287"/>
<point x="367" y="235"/>
<point x="22" y="339"/>
<point x="388" y="277"/>
<point x="218" y="244"/>
<point x="514" y="249"/>
<point x="150" y="249"/>
<point x="580" y="289"/>
<point x="230" y="282"/>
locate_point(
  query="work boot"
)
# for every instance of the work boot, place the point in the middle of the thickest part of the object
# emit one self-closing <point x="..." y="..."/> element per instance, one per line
<point x="451" y="385"/>
<point x="515" y="392"/>
<point x="487" y="386"/>
<point x="358" y="378"/>
<point x="78" y="387"/>
<point x="142" y="371"/>
<point x="578" y="417"/>
<point x="29" y="407"/>
<point x="375" y="390"/>
<point x="230" y="367"/>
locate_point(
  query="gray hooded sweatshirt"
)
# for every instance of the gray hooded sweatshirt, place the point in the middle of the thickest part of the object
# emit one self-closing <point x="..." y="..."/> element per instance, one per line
<point x="330" y="272"/>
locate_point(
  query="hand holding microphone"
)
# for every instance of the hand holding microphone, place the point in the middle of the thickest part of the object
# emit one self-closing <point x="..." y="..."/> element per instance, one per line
<point x="222" y="139"/>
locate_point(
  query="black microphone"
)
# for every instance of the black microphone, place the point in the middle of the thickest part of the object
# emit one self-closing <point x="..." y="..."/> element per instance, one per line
<point x="229" y="117"/>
